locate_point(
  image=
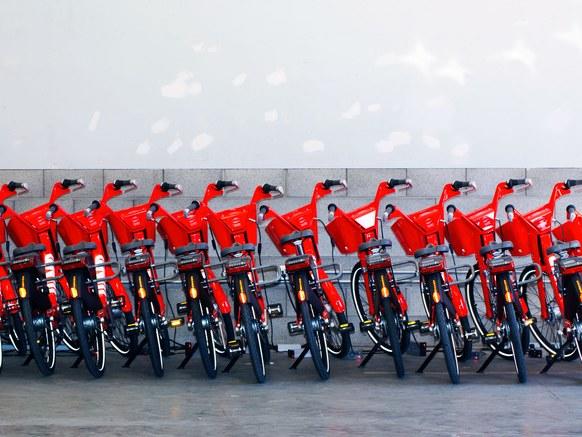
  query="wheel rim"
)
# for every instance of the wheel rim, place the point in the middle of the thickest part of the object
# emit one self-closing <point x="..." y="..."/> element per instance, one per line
<point x="333" y="336"/>
<point x="477" y="308"/>
<point x="157" y="334"/>
<point x="259" y="342"/>
<point x="362" y="308"/>
<point x="219" y="334"/>
<point x="209" y="336"/>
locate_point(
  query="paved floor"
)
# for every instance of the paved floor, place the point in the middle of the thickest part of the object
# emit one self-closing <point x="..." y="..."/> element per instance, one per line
<point x="354" y="401"/>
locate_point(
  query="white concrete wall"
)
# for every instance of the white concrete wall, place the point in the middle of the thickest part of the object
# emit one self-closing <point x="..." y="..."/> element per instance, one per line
<point x="219" y="84"/>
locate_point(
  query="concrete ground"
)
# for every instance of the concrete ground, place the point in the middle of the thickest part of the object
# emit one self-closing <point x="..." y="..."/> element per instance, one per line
<point x="354" y="401"/>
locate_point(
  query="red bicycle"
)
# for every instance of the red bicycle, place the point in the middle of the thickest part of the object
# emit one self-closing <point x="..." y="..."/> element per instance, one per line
<point x="135" y="230"/>
<point x="206" y="307"/>
<point x="319" y="308"/>
<point x="100" y="304"/>
<point x="237" y="233"/>
<point x="422" y="234"/>
<point x="10" y="318"/>
<point x="531" y="234"/>
<point x="498" y="310"/>
<point x="43" y="290"/>
<point x="381" y="306"/>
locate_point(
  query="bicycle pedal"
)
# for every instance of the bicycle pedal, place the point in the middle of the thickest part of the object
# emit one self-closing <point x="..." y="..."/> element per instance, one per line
<point x="294" y="328"/>
<point x="176" y="322"/>
<point x="424" y="327"/>
<point x="182" y="308"/>
<point x="413" y="325"/>
<point x="471" y="335"/>
<point x="234" y="348"/>
<point x="66" y="308"/>
<point x="346" y="327"/>
<point x="275" y="310"/>
<point x="132" y="328"/>
<point x="366" y="325"/>
<point x="490" y="338"/>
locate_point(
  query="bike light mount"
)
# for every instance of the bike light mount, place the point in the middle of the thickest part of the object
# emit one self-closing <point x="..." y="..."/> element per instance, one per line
<point x="238" y="264"/>
<point x="191" y="261"/>
<point x="378" y="260"/>
<point x="138" y="262"/>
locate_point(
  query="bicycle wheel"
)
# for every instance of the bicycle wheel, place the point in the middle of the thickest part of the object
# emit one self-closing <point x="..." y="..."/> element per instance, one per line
<point x="362" y="309"/>
<point x="219" y="334"/>
<point x="16" y="334"/>
<point x="41" y="338"/>
<point x="91" y="338"/>
<point x="204" y="336"/>
<point x="515" y="341"/>
<point x="117" y="332"/>
<point x="338" y="343"/>
<point x="545" y="331"/>
<point x="316" y="341"/>
<point x="152" y="333"/>
<point x="394" y="336"/>
<point x="477" y="309"/>
<point x="445" y="333"/>
<point x="252" y="337"/>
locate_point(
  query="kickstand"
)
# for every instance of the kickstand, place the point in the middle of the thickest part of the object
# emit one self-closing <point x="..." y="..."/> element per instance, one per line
<point x="428" y="359"/>
<point x="77" y="361"/>
<point x="300" y="357"/>
<point x="369" y="355"/>
<point x="189" y="354"/>
<point x="550" y="361"/>
<point x="231" y="363"/>
<point x="491" y="357"/>
<point x="133" y="355"/>
<point x="27" y="360"/>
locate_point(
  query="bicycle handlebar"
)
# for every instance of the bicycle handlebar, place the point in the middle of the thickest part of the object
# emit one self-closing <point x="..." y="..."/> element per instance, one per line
<point x="572" y="183"/>
<point x="94" y="205"/>
<point x="457" y="185"/>
<point x="167" y="186"/>
<point x="13" y="186"/>
<point x="120" y="183"/>
<point x="68" y="183"/>
<point x="268" y="189"/>
<point x="193" y="206"/>
<point x="328" y="183"/>
<point x="220" y="185"/>
<point x="514" y="182"/>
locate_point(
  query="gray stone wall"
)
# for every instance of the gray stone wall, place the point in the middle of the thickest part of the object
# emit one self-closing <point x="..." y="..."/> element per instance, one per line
<point x="298" y="184"/>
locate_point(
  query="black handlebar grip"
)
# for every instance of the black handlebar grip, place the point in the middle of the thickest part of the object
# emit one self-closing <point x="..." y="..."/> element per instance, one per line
<point x="15" y="185"/>
<point x="194" y="205"/>
<point x="571" y="209"/>
<point x="223" y="184"/>
<point x="69" y="182"/>
<point x="515" y="182"/>
<point x="94" y="205"/>
<point x="120" y="183"/>
<point x="331" y="183"/>
<point x="457" y="185"/>
<point x="268" y="188"/>
<point x="166" y="186"/>
<point x="396" y="182"/>
<point x="572" y="183"/>
<point x="509" y="208"/>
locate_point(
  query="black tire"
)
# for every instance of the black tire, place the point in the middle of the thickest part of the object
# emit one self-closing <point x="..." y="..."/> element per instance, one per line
<point x="40" y="341"/>
<point x="393" y="336"/>
<point x="204" y="337"/>
<point x="152" y="334"/>
<point x="252" y="337"/>
<point x="338" y="343"/>
<point x="91" y="342"/>
<point x="447" y="344"/>
<point x="316" y="341"/>
<point x="545" y="332"/>
<point x="476" y="304"/>
<point x="360" y="301"/>
<point x="515" y="338"/>
<point x="17" y="335"/>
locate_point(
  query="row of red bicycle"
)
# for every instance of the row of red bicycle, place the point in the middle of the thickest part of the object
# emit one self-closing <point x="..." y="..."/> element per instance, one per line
<point x="73" y="292"/>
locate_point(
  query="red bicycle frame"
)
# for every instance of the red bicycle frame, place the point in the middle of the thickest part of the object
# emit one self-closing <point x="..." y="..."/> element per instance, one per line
<point x="349" y="229"/>
<point x="468" y="233"/>
<point x="39" y="226"/>
<point x="304" y="218"/>
<point x="90" y="225"/>
<point x="8" y="296"/>
<point x="426" y="227"/>
<point x="531" y="234"/>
